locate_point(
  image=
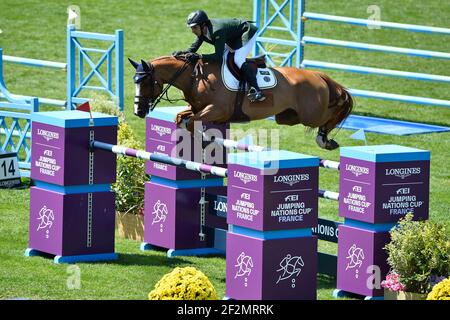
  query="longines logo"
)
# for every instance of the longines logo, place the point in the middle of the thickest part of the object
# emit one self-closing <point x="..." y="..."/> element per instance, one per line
<point x="245" y="177"/>
<point x="161" y="130"/>
<point x="356" y="170"/>
<point x="291" y="179"/>
<point x="402" y="173"/>
<point x="47" y="135"/>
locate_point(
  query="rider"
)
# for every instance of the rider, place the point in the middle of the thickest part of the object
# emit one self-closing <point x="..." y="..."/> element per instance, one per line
<point x="234" y="34"/>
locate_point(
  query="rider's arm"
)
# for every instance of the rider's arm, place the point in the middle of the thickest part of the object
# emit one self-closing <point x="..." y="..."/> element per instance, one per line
<point x="219" y="45"/>
<point x="196" y="45"/>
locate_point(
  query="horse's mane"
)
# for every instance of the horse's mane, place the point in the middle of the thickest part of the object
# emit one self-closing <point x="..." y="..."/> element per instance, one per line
<point x="163" y="57"/>
<point x="180" y="58"/>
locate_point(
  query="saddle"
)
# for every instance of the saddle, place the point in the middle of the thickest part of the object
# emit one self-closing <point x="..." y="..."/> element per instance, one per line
<point x="256" y="62"/>
<point x="231" y="74"/>
<point x="234" y="81"/>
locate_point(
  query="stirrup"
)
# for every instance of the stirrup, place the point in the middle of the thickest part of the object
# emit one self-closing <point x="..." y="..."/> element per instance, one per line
<point x="255" y="95"/>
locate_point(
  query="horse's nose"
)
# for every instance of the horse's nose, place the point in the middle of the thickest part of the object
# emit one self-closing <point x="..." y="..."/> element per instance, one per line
<point x="140" y="114"/>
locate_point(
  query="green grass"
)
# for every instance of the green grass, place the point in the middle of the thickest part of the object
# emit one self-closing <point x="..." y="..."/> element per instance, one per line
<point x="36" y="29"/>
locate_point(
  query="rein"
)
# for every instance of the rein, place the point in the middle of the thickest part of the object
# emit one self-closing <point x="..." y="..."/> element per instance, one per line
<point x="169" y="84"/>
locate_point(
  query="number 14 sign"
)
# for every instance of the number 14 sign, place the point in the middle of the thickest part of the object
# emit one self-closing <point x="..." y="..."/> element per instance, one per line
<point x="9" y="170"/>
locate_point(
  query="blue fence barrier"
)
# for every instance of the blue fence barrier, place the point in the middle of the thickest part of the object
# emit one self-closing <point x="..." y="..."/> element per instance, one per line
<point x="79" y="56"/>
<point x="15" y="110"/>
<point x="269" y="12"/>
<point x="115" y="51"/>
<point x="15" y="123"/>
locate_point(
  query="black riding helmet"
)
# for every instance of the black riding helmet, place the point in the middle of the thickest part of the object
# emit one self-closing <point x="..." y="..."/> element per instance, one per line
<point x="197" y="17"/>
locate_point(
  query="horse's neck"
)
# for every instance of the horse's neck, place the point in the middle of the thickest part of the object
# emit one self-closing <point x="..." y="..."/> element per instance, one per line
<point x="167" y="68"/>
<point x="193" y="86"/>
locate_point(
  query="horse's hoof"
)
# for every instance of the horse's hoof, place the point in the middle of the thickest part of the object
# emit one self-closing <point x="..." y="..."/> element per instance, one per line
<point x="321" y="142"/>
<point x="324" y="143"/>
<point x="184" y="123"/>
<point x="331" y="145"/>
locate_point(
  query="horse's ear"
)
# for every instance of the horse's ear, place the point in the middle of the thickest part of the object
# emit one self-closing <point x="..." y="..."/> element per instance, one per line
<point x="145" y="65"/>
<point x="133" y="63"/>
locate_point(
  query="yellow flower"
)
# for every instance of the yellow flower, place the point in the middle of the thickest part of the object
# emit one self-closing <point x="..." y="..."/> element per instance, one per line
<point x="440" y="291"/>
<point x="183" y="284"/>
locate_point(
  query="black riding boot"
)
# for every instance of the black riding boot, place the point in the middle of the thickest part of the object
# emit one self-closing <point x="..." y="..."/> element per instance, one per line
<point x="254" y="92"/>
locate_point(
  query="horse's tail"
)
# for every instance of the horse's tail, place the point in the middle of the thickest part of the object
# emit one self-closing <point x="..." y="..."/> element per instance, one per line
<point x="340" y="99"/>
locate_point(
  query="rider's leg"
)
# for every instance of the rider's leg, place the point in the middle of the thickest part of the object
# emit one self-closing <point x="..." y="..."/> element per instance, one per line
<point x="249" y="73"/>
<point x="241" y="54"/>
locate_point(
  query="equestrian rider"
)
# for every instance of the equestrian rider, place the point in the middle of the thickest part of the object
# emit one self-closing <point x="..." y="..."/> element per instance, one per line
<point x="235" y="35"/>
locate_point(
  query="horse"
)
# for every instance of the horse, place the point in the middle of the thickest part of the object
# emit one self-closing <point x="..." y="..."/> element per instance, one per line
<point x="305" y="97"/>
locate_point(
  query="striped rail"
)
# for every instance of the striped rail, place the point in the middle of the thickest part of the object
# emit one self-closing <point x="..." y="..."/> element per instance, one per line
<point x="158" y="157"/>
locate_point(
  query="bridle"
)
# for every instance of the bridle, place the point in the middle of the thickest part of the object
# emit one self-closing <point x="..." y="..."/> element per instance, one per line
<point x="141" y="75"/>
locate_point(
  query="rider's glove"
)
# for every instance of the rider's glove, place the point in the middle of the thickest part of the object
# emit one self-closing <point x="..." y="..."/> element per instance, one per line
<point x="192" y="57"/>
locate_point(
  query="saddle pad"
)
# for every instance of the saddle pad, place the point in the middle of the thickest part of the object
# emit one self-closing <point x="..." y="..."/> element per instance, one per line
<point x="265" y="77"/>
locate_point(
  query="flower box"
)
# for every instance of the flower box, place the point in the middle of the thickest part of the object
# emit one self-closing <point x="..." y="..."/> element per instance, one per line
<point x="403" y="295"/>
<point x="130" y="226"/>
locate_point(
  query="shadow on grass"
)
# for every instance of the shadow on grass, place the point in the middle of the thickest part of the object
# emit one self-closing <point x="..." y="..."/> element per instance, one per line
<point x="133" y="259"/>
<point x="371" y="114"/>
<point x="157" y="257"/>
<point x="128" y="259"/>
<point x="326" y="282"/>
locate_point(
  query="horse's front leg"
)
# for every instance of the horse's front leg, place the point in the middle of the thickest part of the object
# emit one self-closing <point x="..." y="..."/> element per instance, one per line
<point x="210" y="113"/>
<point x="183" y="117"/>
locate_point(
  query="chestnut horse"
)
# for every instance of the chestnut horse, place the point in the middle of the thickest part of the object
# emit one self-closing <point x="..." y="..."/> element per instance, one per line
<point x="300" y="97"/>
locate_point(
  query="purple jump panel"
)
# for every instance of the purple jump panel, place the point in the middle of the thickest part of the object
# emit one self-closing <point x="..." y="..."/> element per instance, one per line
<point x="378" y="186"/>
<point x="163" y="136"/>
<point x="362" y="261"/>
<point x="72" y="211"/>
<point x="60" y="226"/>
<point x="276" y="269"/>
<point x="272" y="205"/>
<point x="172" y="216"/>
<point x="61" y="155"/>
<point x="261" y="200"/>
<point x="381" y="184"/>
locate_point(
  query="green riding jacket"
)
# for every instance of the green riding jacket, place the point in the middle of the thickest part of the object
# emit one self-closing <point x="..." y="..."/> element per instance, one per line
<point x="233" y="32"/>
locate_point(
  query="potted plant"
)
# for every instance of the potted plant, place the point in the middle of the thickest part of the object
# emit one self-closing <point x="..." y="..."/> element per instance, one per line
<point x="129" y="188"/>
<point x="419" y="257"/>
<point x="131" y="177"/>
